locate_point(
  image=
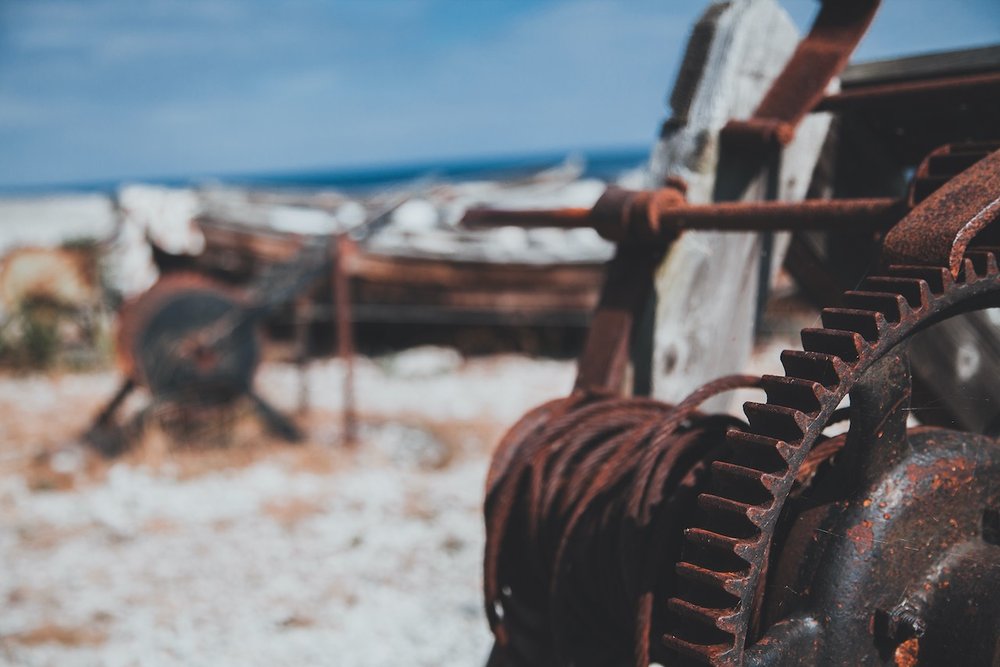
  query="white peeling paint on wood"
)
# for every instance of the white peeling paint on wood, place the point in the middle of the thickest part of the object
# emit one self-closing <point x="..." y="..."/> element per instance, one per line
<point x="707" y="285"/>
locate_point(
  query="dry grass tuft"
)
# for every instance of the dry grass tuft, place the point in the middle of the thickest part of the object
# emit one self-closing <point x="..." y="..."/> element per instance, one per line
<point x="290" y="511"/>
<point x="53" y="633"/>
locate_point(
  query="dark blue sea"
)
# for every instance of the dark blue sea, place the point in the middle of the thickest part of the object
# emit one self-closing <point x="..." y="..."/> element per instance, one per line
<point x="603" y="164"/>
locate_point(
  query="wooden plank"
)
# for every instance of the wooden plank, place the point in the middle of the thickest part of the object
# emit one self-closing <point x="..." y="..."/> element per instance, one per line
<point x="471" y="299"/>
<point x="707" y="286"/>
<point x="450" y="274"/>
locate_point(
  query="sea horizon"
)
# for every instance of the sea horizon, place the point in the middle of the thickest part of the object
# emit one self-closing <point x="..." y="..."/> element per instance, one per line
<point x="601" y="163"/>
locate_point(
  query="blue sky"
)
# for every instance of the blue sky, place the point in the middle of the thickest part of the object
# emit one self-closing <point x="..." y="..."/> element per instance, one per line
<point x="105" y="89"/>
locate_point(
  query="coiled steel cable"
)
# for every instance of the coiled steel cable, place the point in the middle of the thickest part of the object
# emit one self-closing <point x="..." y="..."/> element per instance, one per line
<point x="587" y="499"/>
<point x="585" y="506"/>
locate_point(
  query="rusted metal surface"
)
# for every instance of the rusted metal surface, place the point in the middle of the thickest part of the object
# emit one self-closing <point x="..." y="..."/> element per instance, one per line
<point x="628" y="284"/>
<point x="640" y="215"/>
<point x="943" y="164"/>
<point x="818" y="58"/>
<point x="564" y="218"/>
<point x="932" y="92"/>
<point x="162" y="346"/>
<point x="589" y="496"/>
<point x="915" y="105"/>
<point x="343" y="249"/>
<point x="568" y="505"/>
<point x="747" y="493"/>
<point x="194" y="344"/>
<point x="572" y="478"/>
<point x="787" y="547"/>
<point x="938" y="232"/>
<point x="873" y="548"/>
<point x="138" y="314"/>
<point x="975" y="60"/>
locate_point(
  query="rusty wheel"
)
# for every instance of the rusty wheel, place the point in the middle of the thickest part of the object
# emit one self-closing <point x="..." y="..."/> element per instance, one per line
<point x="174" y="339"/>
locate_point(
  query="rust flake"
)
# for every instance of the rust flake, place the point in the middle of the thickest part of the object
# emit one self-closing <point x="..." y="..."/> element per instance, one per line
<point x="862" y="536"/>
<point x="906" y="653"/>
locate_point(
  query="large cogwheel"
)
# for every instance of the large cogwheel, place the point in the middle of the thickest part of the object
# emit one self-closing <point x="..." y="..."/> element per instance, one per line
<point x="721" y="572"/>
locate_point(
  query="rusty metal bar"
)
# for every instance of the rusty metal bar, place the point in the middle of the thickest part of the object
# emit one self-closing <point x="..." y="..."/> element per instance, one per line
<point x="912" y="91"/>
<point x="302" y="320"/>
<point x="104" y="417"/>
<point x="564" y="218"/>
<point x="846" y="215"/>
<point x="818" y="58"/>
<point x="827" y="214"/>
<point x="627" y="287"/>
<point x="343" y="249"/>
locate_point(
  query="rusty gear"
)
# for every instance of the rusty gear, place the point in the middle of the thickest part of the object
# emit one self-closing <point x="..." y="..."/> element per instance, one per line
<point x="726" y="550"/>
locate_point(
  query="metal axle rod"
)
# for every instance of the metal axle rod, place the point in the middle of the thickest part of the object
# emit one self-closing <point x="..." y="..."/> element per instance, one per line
<point x="620" y="213"/>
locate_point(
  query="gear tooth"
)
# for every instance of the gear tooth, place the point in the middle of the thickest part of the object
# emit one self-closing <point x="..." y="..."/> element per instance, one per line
<point x="825" y="369"/>
<point x="719" y="619"/>
<point x="743" y="483"/>
<point x="985" y="261"/>
<point x="992" y="264"/>
<point x="707" y="654"/>
<point x="768" y="454"/>
<point x="848" y="345"/>
<point x="787" y="424"/>
<point x="703" y="576"/>
<point x="734" y="509"/>
<point x="967" y="273"/>
<point x="716" y="541"/>
<point x="892" y="306"/>
<point x="916" y="292"/>
<point x="938" y="279"/>
<point x="806" y="395"/>
<point x="715" y="555"/>
<point x="986" y="250"/>
<point x="870" y="325"/>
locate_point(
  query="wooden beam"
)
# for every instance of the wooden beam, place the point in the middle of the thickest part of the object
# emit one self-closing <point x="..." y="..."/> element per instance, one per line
<point x="707" y="287"/>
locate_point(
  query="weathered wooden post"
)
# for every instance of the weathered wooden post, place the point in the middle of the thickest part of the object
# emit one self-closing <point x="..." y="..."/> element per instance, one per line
<point x="708" y="285"/>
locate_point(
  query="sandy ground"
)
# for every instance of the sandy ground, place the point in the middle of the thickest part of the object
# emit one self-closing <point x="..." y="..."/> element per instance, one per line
<point x="239" y="550"/>
<point x="259" y="553"/>
<point x="246" y="551"/>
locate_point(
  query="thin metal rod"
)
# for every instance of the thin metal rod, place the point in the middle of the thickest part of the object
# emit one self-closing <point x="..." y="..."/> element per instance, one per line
<point x="345" y="335"/>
